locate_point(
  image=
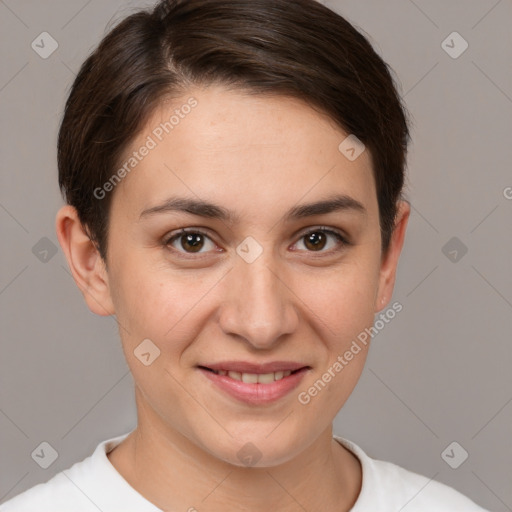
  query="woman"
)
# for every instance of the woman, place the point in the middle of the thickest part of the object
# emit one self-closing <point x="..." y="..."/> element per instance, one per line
<point x="233" y="173"/>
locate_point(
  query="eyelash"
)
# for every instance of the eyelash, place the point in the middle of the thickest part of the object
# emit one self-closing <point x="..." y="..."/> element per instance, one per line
<point x="342" y="240"/>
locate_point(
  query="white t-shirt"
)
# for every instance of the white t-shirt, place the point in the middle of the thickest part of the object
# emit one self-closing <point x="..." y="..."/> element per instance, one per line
<point x="94" y="485"/>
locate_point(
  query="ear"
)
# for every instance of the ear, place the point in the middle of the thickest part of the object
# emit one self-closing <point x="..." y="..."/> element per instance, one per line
<point x="389" y="259"/>
<point x="86" y="265"/>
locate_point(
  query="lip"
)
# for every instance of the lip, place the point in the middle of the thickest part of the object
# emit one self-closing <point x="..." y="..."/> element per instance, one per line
<point x="256" y="394"/>
<point x="246" y="367"/>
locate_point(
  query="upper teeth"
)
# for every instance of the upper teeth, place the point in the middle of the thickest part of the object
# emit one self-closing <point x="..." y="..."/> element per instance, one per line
<point x="253" y="378"/>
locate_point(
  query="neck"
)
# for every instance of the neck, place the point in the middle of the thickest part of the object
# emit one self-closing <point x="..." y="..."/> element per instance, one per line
<point x="175" y="474"/>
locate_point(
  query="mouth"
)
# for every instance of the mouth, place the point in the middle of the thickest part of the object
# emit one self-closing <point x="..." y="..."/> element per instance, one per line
<point x="254" y="378"/>
<point x="255" y="384"/>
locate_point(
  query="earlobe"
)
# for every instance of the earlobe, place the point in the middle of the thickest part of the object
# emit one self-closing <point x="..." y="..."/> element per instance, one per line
<point x="86" y="265"/>
<point x="389" y="261"/>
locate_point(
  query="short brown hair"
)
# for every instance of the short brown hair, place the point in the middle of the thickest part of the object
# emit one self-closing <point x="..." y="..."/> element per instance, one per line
<point x="294" y="48"/>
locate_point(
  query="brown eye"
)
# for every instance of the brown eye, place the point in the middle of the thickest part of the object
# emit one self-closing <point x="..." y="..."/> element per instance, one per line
<point x="189" y="242"/>
<point x="318" y="239"/>
<point x="315" y="241"/>
<point x="192" y="241"/>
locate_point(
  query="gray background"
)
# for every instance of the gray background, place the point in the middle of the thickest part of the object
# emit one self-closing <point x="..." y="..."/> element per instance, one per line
<point x="438" y="373"/>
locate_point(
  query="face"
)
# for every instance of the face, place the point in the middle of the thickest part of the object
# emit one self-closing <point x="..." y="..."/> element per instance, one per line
<point x="258" y="287"/>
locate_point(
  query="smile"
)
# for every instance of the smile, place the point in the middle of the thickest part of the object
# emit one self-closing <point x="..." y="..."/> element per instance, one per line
<point x="254" y="378"/>
<point x="255" y="384"/>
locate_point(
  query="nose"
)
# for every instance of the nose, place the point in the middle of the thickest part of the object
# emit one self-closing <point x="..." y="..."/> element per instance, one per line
<point x="259" y="305"/>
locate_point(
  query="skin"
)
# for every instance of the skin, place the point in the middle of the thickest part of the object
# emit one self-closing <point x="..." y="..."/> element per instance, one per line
<point x="258" y="156"/>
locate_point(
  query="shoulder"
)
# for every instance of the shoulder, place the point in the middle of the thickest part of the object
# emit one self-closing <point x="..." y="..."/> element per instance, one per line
<point x="83" y="487"/>
<point x="419" y="493"/>
<point x="389" y="487"/>
<point x="58" y="493"/>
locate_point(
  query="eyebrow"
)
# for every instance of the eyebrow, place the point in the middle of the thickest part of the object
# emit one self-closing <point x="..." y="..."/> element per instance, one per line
<point x="210" y="210"/>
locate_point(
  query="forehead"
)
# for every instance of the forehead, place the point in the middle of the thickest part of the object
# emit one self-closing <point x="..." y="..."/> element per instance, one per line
<point x="241" y="149"/>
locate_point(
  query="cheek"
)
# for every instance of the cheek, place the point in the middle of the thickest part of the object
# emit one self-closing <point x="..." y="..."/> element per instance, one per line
<point x="150" y="308"/>
<point x="344" y="307"/>
<point x="343" y="300"/>
<point x="160" y="305"/>
<point x="152" y="314"/>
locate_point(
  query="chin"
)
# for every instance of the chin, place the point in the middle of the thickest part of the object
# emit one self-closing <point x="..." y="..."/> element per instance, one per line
<point x="252" y="447"/>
